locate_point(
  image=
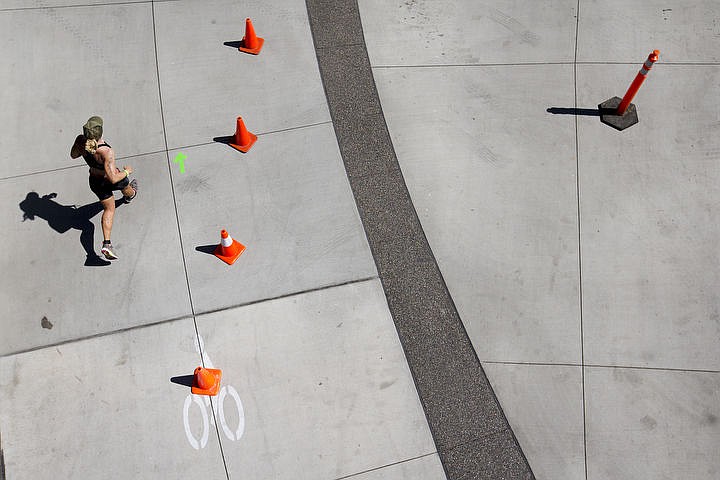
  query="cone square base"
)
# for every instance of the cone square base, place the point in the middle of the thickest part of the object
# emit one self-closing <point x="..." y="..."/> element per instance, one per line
<point x="255" y="50"/>
<point x="245" y="148"/>
<point x="236" y="246"/>
<point x="608" y="114"/>
<point x="212" y="391"/>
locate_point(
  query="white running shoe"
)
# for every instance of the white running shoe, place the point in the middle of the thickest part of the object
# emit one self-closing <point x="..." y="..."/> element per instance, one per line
<point x="107" y="250"/>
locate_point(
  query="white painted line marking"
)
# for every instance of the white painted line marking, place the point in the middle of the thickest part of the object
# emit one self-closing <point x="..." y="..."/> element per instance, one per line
<point x="218" y="408"/>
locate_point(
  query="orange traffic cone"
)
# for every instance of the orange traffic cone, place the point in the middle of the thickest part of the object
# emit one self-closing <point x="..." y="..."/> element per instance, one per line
<point x="229" y="250"/>
<point x="250" y="42"/>
<point x="243" y="139"/>
<point x="206" y="381"/>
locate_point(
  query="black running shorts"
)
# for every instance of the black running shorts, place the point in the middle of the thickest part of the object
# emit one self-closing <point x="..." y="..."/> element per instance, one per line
<point x="104" y="189"/>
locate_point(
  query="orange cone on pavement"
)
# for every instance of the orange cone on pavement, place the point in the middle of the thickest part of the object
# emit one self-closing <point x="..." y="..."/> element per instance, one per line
<point x="251" y="43"/>
<point x="206" y="381"/>
<point x="229" y="249"/>
<point x="243" y="139"/>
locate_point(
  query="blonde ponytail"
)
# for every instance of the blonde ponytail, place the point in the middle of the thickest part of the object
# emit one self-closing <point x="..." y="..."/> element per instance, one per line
<point x="91" y="145"/>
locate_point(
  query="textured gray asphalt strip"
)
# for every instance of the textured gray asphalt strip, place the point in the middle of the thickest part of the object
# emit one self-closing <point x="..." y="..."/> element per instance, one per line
<point x="471" y="433"/>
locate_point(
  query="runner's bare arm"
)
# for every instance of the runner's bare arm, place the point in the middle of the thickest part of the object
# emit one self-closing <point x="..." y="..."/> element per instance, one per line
<point x="111" y="171"/>
<point x="78" y="147"/>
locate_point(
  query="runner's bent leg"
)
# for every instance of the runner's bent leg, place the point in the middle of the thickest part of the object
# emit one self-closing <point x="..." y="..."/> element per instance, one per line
<point x="107" y="216"/>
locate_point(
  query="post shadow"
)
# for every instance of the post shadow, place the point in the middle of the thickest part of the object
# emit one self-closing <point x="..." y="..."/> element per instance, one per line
<point x="62" y="218"/>
<point x="590" y="112"/>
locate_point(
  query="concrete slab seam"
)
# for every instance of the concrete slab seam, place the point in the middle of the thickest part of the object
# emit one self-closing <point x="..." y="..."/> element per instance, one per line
<point x="385" y="466"/>
<point x="286" y="295"/>
<point x="448" y="376"/>
<point x="128" y="2"/>
<point x="177" y="220"/>
<point x="464" y="65"/>
<point x="52" y="170"/>
<point x="170" y="171"/>
<point x="532" y="64"/>
<point x="579" y="237"/>
<point x="181" y="147"/>
<point x="594" y="365"/>
<point x="84" y="165"/>
<point x="184" y="317"/>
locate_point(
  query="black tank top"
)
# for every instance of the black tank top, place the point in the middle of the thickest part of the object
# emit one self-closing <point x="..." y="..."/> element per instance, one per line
<point x="90" y="158"/>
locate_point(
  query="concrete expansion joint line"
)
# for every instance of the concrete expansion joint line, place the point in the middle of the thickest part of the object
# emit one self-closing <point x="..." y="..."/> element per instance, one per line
<point x="193" y="315"/>
<point x="598" y="365"/>
<point x="79" y="165"/>
<point x="179" y="230"/>
<point x="463" y="65"/>
<point x="399" y="462"/>
<point x="287" y="295"/>
<point x="39" y="5"/>
<point x="11" y="177"/>
<point x="579" y="240"/>
<point x="530" y="64"/>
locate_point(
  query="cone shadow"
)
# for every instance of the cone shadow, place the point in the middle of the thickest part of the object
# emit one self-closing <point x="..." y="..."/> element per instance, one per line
<point x="209" y="249"/>
<point x="224" y="140"/>
<point x="235" y="44"/>
<point x="186" y="380"/>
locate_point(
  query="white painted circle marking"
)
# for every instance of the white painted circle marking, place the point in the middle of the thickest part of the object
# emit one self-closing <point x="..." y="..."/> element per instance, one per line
<point x="186" y="421"/>
<point x="221" y="413"/>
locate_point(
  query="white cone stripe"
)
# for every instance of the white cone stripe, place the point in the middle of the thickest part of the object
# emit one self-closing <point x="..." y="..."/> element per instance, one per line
<point x="226" y="242"/>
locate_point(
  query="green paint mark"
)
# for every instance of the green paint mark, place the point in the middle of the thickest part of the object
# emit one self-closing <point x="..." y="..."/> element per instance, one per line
<point x="180" y="158"/>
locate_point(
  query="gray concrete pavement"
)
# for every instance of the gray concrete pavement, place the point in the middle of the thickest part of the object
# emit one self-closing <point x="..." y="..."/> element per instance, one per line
<point x="288" y="202"/>
<point x="46" y="276"/>
<point x="93" y="350"/>
<point x="104" y="408"/>
<point x="204" y="79"/>
<point x="545" y="405"/>
<point x="565" y="243"/>
<point x="502" y="200"/>
<point x="74" y="65"/>
<point x="614" y="31"/>
<point x="325" y="386"/>
<point x="582" y="260"/>
<point x="471" y="433"/>
<point x="650" y="222"/>
<point x="426" y="32"/>
<point x="315" y="382"/>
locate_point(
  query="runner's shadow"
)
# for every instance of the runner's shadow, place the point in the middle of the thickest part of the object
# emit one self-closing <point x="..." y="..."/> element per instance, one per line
<point x="62" y="218"/>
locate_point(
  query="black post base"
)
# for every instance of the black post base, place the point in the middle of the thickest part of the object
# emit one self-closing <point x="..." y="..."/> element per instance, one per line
<point x="618" y="122"/>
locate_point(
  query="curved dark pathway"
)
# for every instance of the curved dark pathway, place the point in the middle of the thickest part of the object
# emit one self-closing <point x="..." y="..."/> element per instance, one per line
<point x="471" y="433"/>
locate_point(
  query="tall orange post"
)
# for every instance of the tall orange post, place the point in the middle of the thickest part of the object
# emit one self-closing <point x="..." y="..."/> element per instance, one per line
<point x="639" y="79"/>
<point x="618" y="112"/>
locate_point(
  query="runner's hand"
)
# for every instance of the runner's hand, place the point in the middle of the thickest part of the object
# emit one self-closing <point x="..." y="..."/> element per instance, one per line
<point x="129" y="169"/>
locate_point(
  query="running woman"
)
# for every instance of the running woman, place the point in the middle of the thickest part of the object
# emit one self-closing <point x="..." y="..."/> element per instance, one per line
<point x="105" y="177"/>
